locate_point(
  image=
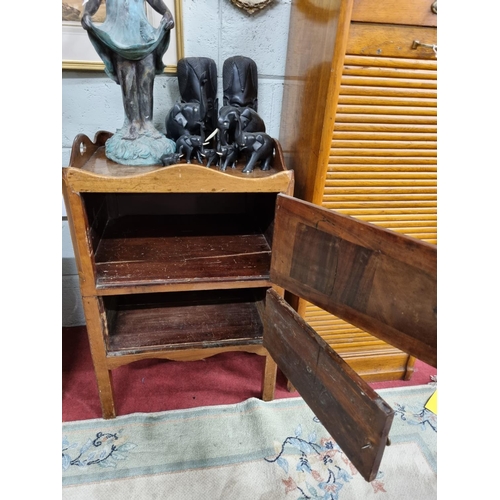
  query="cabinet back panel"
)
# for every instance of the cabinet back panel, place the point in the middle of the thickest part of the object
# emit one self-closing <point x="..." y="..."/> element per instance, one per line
<point x="192" y="203"/>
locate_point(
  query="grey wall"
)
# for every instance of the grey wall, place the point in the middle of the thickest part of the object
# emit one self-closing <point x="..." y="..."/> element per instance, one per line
<point x="211" y="28"/>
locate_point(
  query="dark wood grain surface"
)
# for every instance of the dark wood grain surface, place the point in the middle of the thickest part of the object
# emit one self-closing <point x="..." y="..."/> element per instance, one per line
<point x="184" y="320"/>
<point x="151" y="250"/>
<point x="357" y="418"/>
<point x="374" y="278"/>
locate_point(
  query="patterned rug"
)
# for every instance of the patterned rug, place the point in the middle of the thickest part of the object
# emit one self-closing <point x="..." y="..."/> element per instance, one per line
<point x="252" y="450"/>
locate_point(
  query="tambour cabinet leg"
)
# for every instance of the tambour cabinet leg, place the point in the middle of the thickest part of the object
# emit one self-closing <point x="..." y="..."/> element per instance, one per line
<point x="410" y="366"/>
<point x="269" y="378"/>
<point x="94" y="316"/>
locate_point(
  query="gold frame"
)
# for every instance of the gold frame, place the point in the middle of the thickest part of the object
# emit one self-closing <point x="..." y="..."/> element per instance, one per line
<point x="99" y="66"/>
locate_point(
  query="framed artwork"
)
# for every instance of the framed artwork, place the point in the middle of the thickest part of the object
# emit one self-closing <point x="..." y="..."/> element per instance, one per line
<point x="79" y="54"/>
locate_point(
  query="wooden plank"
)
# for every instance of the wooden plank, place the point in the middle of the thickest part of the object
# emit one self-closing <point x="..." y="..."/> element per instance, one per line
<point x="313" y="70"/>
<point x="416" y="12"/>
<point x="384" y="119"/>
<point x="390" y="62"/>
<point x="405" y="83"/>
<point x="115" y="360"/>
<point x="390" y="41"/>
<point x="155" y="250"/>
<point x="387" y="110"/>
<point x="91" y="171"/>
<point x="357" y="418"/>
<point x="371" y="90"/>
<point x="379" y="144"/>
<point x="389" y="72"/>
<point x="376" y="279"/>
<point x="374" y="100"/>
<point x="383" y="135"/>
<point x="186" y="320"/>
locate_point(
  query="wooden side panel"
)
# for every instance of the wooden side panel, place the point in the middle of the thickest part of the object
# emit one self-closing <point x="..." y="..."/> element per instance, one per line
<point x="357" y="418"/>
<point x="318" y="34"/>
<point x="377" y="280"/>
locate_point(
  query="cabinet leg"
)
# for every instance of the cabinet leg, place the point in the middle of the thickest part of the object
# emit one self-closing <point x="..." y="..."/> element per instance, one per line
<point x="410" y="367"/>
<point x="269" y="378"/>
<point x="104" y="384"/>
<point x="94" y="315"/>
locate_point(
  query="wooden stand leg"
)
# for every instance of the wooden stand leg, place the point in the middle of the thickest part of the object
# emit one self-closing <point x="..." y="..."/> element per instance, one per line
<point x="269" y="378"/>
<point x="104" y="384"/>
<point x="410" y="366"/>
<point x="95" y="333"/>
<point x="290" y="387"/>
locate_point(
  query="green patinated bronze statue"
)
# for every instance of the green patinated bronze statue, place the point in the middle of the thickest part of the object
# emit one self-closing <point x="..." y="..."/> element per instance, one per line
<point x="132" y="51"/>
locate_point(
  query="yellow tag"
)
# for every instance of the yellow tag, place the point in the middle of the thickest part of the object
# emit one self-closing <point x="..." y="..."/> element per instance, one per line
<point x="432" y="402"/>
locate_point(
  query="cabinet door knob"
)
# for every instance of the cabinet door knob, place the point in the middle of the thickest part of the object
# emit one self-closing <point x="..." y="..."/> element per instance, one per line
<point x="417" y="44"/>
<point x="434" y="7"/>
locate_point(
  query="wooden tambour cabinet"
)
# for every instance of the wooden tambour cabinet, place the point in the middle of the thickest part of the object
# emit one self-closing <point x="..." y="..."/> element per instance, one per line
<point x="359" y="130"/>
<point x="173" y="261"/>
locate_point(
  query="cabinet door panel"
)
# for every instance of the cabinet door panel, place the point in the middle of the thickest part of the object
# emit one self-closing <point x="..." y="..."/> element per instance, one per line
<point x="374" y="278"/>
<point x="354" y="414"/>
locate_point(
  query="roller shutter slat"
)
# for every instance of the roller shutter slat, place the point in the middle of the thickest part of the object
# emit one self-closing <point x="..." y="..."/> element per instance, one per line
<point x="387" y="72"/>
<point x="389" y="62"/>
<point x="387" y="144"/>
<point x="407" y="83"/>
<point x="387" y="110"/>
<point x="376" y="92"/>
<point x="382" y="136"/>
<point x="374" y="119"/>
<point x="380" y="174"/>
<point x="387" y="160"/>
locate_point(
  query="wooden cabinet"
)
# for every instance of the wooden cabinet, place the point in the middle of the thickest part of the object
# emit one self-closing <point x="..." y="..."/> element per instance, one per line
<point x="173" y="261"/>
<point x="185" y="262"/>
<point x="359" y="129"/>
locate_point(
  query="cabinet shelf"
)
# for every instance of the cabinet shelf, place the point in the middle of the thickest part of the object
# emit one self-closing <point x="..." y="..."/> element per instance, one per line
<point x="183" y="320"/>
<point x="197" y="250"/>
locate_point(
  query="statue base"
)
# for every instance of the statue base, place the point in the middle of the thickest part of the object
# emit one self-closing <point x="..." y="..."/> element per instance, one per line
<point x="145" y="149"/>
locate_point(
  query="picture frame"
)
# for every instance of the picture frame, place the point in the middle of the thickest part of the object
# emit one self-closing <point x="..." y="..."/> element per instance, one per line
<point x="79" y="54"/>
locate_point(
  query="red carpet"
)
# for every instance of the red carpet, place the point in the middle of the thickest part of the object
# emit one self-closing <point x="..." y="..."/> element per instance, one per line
<point x="159" y="385"/>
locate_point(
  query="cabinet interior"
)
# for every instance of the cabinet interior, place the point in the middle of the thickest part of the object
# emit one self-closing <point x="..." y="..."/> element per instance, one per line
<point x="195" y="239"/>
<point x="180" y="320"/>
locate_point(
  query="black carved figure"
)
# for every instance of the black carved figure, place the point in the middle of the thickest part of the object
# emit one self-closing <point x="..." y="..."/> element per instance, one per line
<point x="183" y="119"/>
<point x="240" y="82"/>
<point x="228" y="120"/>
<point x="197" y="77"/>
<point x="210" y="155"/>
<point x="258" y="146"/>
<point x="189" y="144"/>
<point x="197" y="80"/>
<point x="229" y="154"/>
<point x="170" y="159"/>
